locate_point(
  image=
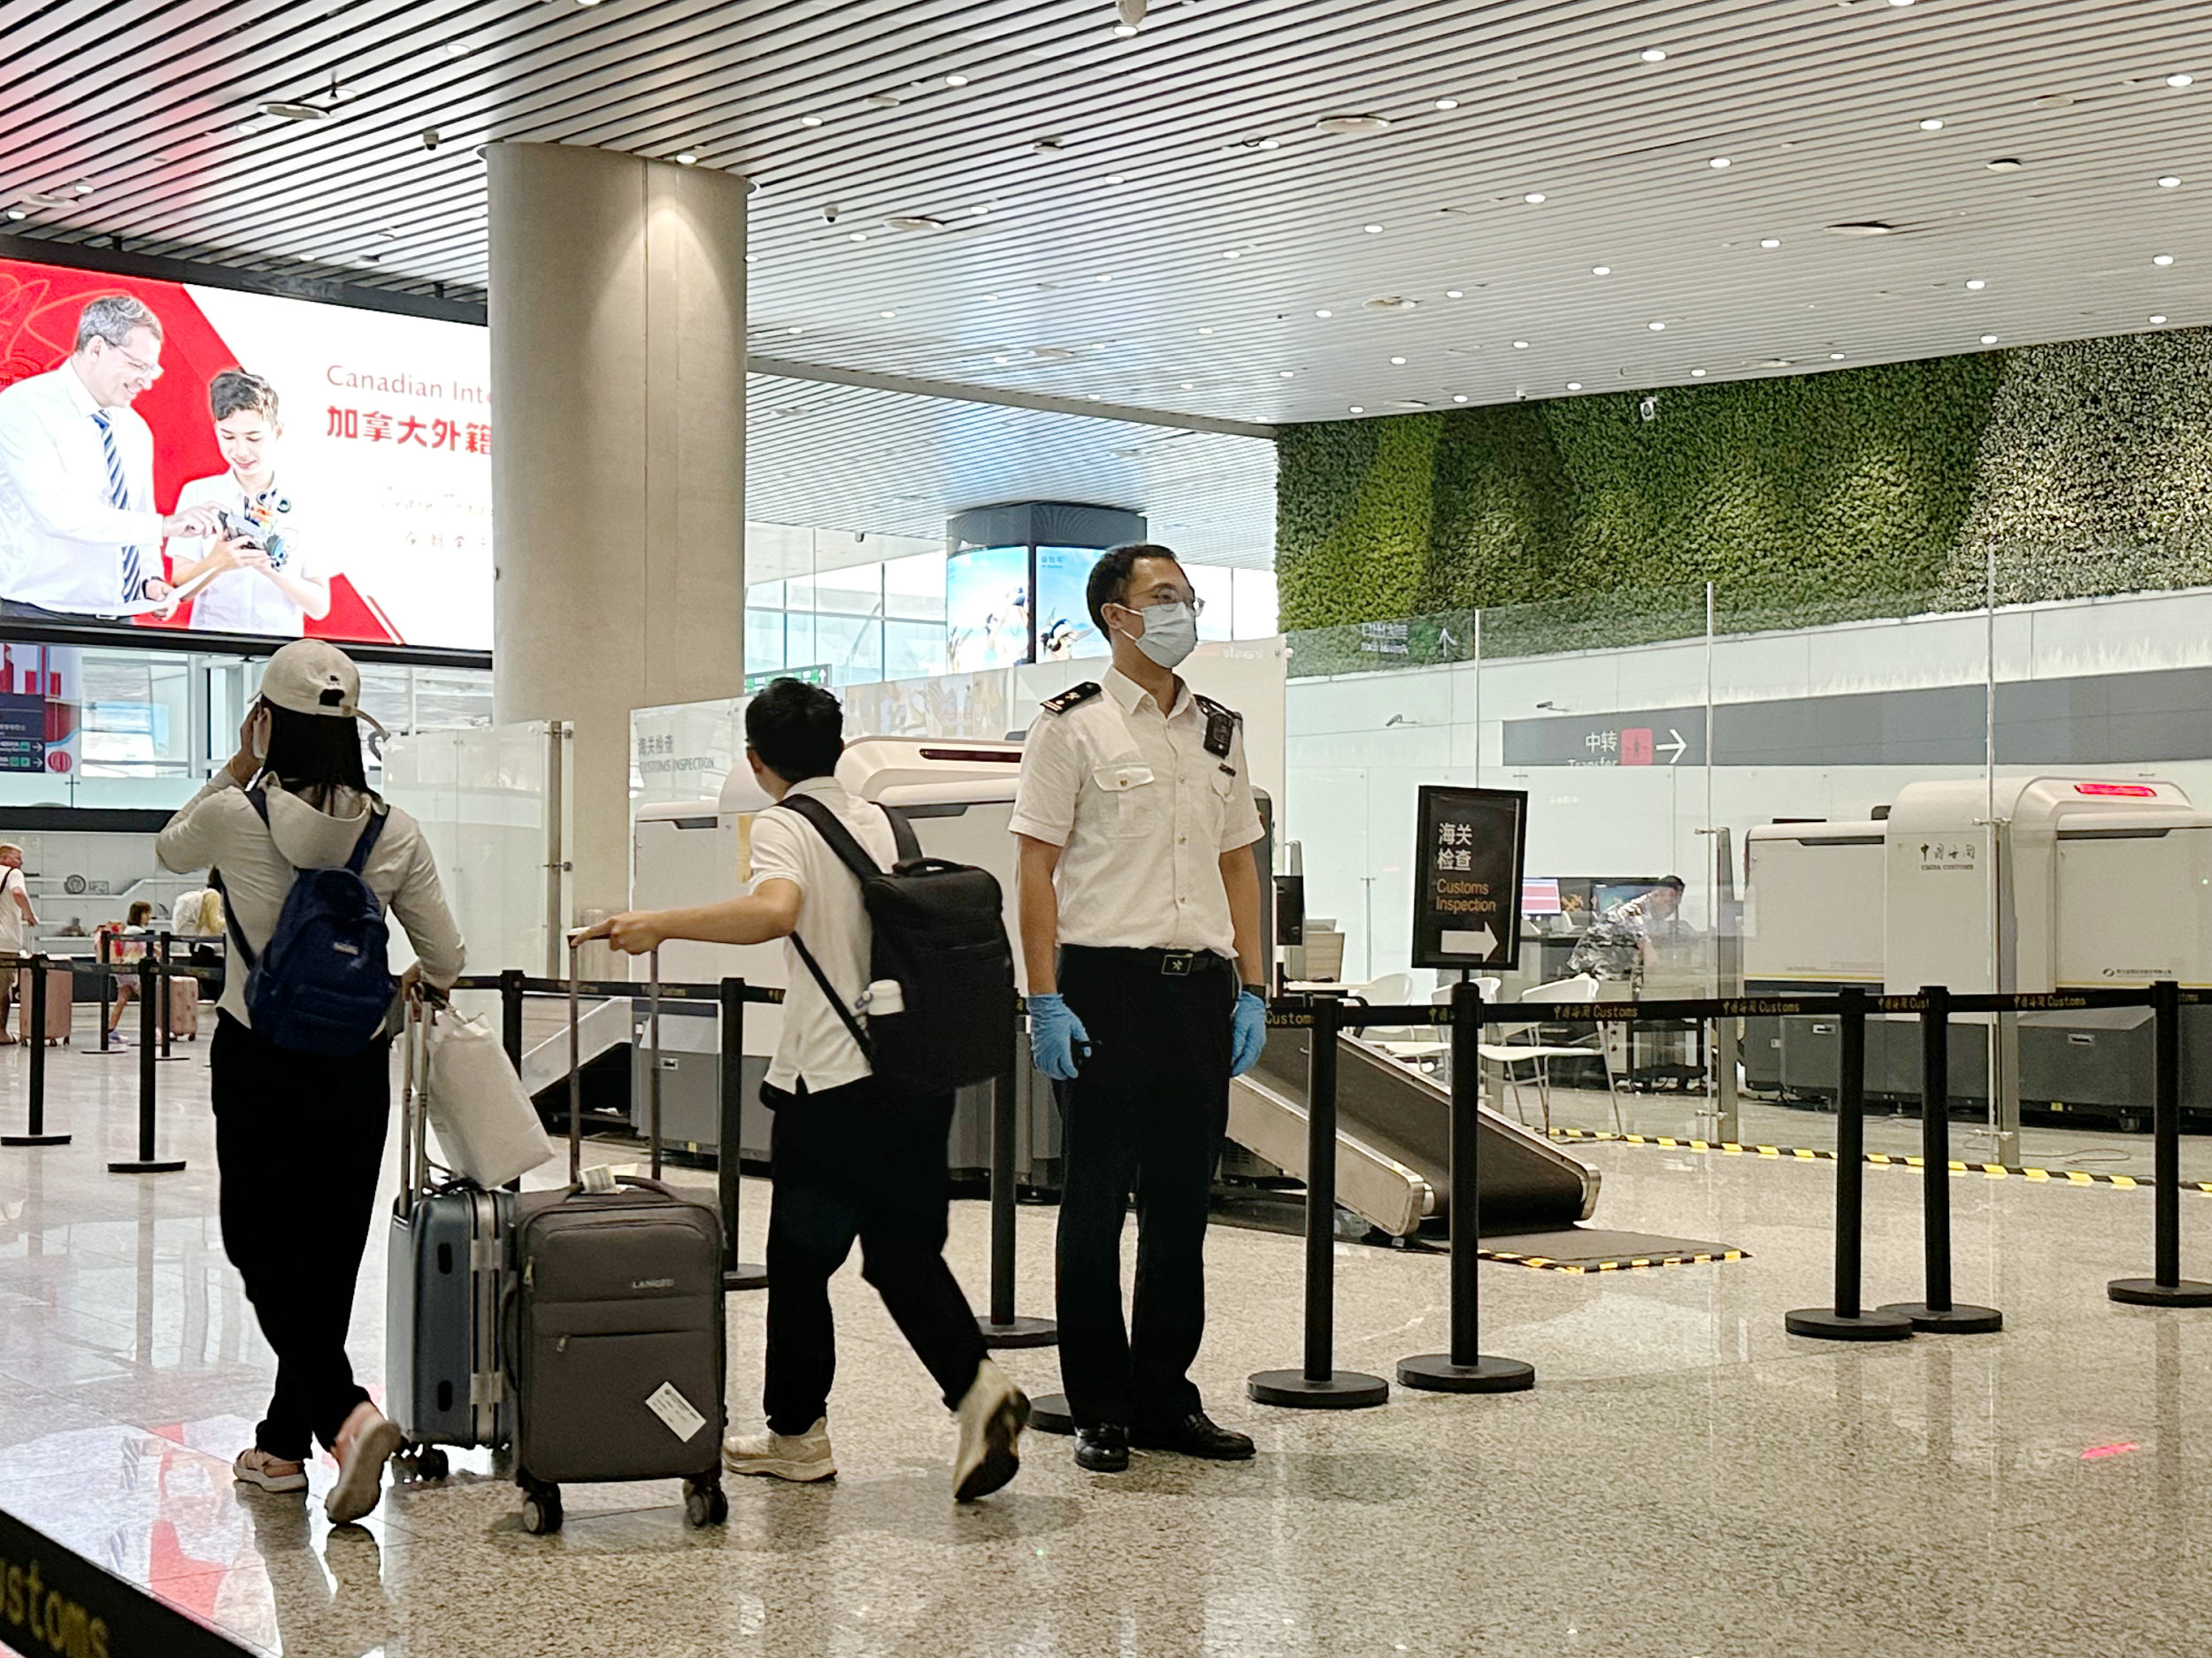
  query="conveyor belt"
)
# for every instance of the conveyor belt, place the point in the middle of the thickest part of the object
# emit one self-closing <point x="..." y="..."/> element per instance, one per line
<point x="1394" y="1143"/>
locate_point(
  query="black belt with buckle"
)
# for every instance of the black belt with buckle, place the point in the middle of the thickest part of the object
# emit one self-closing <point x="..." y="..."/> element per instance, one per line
<point x="1168" y="963"/>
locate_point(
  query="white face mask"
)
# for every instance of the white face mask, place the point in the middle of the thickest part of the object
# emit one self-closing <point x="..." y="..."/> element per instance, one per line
<point x="1170" y="633"/>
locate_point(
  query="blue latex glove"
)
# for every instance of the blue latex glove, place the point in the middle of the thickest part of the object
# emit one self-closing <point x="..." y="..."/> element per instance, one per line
<point x="1248" y="1032"/>
<point x="1057" y="1037"/>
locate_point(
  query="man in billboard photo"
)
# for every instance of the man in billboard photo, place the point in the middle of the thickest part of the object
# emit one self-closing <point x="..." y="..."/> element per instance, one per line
<point x="79" y="534"/>
<point x="260" y="580"/>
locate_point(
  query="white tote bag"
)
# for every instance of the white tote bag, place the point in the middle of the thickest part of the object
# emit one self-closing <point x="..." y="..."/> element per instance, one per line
<point x="485" y="1123"/>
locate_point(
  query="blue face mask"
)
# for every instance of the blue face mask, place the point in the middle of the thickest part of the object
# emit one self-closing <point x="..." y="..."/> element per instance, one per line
<point x="1170" y="633"/>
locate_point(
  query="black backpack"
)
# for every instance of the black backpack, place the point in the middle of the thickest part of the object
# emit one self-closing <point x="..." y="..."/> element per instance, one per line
<point x="939" y="933"/>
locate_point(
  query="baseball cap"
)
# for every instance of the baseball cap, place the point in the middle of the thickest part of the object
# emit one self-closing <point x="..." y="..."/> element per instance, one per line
<point x="312" y="676"/>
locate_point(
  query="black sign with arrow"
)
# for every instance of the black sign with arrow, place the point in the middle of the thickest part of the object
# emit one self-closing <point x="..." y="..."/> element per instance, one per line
<point x="1467" y="901"/>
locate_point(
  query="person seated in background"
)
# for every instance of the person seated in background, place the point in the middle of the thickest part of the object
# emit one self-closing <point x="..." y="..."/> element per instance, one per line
<point x="125" y="945"/>
<point x="1617" y="943"/>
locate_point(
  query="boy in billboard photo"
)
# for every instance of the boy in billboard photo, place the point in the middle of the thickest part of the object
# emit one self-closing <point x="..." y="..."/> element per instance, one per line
<point x="261" y="581"/>
<point x="79" y="533"/>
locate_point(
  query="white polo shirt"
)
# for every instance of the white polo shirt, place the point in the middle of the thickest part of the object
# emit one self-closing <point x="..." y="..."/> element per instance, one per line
<point x="61" y="541"/>
<point x="816" y="1048"/>
<point x="1142" y="810"/>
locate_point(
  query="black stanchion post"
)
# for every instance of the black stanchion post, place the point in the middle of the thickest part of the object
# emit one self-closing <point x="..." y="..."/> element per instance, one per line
<point x="1002" y="1326"/>
<point x="1847" y="1320"/>
<point x="1938" y="1314"/>
<point x="730" y="1143"/>
<point x="2166" y="1287"/>
<point x="1320" y="1385"/>
<point x="34" y="1023"/>
<point x="146" y="1162"/>
<point x="168" y="998"/>
<point x="1465" y="1369"/>
<point x="105" y="953"/>
<point x="510" y="1016"/>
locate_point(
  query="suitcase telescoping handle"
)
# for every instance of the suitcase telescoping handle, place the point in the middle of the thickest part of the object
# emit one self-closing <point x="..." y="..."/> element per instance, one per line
<point x="414" y="1134"/>
<point x="576" y="1065"/>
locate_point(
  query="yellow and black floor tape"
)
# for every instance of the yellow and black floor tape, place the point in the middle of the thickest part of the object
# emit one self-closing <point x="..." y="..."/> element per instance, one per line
<point x="1989" y="1170"/>
<point x="1545" y="1263"/>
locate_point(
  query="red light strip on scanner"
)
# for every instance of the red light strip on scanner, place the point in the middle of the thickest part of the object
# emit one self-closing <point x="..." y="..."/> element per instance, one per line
<point x="2128" y="791"/>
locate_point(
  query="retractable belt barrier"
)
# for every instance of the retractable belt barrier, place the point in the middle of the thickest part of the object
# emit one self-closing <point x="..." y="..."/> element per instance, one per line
<point x="730" y="997"/>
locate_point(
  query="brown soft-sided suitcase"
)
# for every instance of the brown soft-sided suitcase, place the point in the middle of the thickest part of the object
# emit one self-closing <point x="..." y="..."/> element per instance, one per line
<point x="615" y="1352"/>
<point x="58" y="983"/>
<point x="184" y="1006"/>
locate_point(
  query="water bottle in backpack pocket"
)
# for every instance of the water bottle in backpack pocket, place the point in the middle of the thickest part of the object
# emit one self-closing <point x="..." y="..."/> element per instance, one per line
<point x="322" y="985"/>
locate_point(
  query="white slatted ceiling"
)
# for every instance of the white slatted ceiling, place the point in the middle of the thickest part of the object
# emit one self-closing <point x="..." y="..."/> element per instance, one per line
<point x="1816" y="102"/>
<point x="848" y="458"/>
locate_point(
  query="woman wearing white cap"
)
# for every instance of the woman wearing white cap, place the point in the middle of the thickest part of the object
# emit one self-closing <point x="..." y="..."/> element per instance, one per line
<point x="282" y="1114"/>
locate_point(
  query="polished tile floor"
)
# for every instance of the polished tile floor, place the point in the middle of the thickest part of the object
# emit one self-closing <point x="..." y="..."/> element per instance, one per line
<point x="1688" y="1481"/>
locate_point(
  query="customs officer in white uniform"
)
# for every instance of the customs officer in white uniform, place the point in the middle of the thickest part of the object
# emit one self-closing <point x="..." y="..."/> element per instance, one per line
<point x="1140" y="930"/>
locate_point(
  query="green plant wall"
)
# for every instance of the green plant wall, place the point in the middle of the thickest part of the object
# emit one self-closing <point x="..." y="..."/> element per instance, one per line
<point x="2084" y="467"/>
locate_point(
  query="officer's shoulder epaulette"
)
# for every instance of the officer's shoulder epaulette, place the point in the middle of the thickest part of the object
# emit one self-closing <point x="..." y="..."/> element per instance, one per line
<point x="1074" y="696"/>
<point x="1209" y="705"/>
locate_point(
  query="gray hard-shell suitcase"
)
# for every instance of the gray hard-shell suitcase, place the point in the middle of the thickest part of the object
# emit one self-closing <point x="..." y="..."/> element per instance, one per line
<point x="616" y="1343"/>
<point x="445" y="1293"/>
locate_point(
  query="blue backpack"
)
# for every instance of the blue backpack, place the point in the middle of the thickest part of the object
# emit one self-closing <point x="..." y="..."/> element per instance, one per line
<point x="322" y="985"/>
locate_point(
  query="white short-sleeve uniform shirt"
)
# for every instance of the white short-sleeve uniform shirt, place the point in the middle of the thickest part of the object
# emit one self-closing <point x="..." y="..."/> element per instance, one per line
<point x="1142" y="803"/>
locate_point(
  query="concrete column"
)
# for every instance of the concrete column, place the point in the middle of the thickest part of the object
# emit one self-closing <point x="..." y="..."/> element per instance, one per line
<point x="618" y="347"/>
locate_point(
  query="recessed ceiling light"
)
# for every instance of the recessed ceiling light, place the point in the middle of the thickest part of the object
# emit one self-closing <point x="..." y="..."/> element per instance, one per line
<point x="1653" y="55"/>
<point x="1574" y="385"/>
<point x="19" y="212"/>
<point x="1975" y="285"/>
<point x="456" y="48"/>
<point x="1205" y="331"/>
<point x="1656" y="327"/>
<point x="1123" y="31"/>
<point x="1520" y="345"/>
<point x="1325" y="313"/>
<point x="1285" y="374"/>
<point x="1232" y="254"/>
<point x="1270" y="143"/>
<point x="1989" y="339"/>
<point x="1447" y="103"/>
<point x="886" y="315"/>
<point x="1600" y="270"/>
<point x="686" y="157"/>
<point x="2181" y="80"/>
<point x="1900" y="4"/>
<point x="1097" y="396"/>
<point x="1105" y="279"/>
<point x="2053" y="101"/>
<point x="956" y="80"/>
<point x="1459" y="396"/>
<point x="1397" y="361"/>
<point x="1719" y="162"/>
<point x="1931" y="126"/>
<point x="1835" y="356"/>
<point x="1117" y="178"/>
<point x="1187" y="385"/>
<point x="1357" y="409"/>
<point x="1372" y="230"/>
<point x="1353" y="124"/>
<point x="1001" y="361"/>
<point x="1453" y="293"/>
<point x="858" y="236"/>
<point x="2005" y="163"/>
<point x="795" y="330"/>
<point x="990" y="299"/>
<point x="1534" y="198"/>
<point x="1697" y="373"/>
<point x="2161" y="258"/>
<point x="810" y="120"/>
<point x="83" y="187"/>
<point x="2169" y="183"/>
<point x="2158" y="322"/>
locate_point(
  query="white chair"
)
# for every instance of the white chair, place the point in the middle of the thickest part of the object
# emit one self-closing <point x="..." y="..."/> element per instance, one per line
<point x="1405" y="1043"/>
<point x="1515" y="1044"/>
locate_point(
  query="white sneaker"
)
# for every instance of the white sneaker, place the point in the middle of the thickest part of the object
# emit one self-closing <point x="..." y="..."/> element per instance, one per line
<point x="993" y="1413"/>
<point x="255" y="1467"/>
<point x="796" y="1456"/>
<point x="365" y="1444"/>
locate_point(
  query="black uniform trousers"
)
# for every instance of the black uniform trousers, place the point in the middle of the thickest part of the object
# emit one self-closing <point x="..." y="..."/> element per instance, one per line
<point x="849" y="1164"/>
<point x="1146" y="1111"/>
<point x="289" y="1124"/>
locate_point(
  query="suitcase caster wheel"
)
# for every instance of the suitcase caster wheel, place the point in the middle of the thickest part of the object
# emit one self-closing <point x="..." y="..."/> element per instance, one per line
<point x="541" y="1511"/>
<point x="431" y="1463"/>
<point x="705" y="1504"/>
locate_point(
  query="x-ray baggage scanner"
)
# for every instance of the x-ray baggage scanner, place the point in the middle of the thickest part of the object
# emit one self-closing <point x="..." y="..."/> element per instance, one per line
<point x="958" y="794"/>
<point x="2068" y="883"/>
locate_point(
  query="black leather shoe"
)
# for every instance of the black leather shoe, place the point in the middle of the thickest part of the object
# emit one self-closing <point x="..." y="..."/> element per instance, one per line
<point x="1104" y="1449"/>
<point x="1197" y="1434"/>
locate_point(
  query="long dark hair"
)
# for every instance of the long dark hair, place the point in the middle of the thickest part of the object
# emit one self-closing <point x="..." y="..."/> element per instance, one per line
<point x="313" y="755"/>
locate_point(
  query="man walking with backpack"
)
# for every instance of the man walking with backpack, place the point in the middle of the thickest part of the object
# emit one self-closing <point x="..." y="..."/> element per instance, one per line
<point x="858" y="1148"/>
